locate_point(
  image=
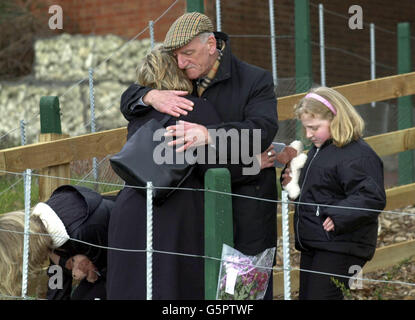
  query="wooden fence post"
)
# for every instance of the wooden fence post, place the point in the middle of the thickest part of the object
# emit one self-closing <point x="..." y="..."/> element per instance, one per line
<point x="50" y="130"/>
<point x="218" y="225"/>
<point x="405" y="159"/>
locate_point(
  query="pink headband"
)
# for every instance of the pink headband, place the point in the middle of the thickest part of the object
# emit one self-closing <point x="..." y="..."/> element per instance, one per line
<point x="322" y="100"/>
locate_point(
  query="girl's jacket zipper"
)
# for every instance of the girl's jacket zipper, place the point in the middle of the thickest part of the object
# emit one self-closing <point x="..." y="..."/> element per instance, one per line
<point x="299" y="198"/>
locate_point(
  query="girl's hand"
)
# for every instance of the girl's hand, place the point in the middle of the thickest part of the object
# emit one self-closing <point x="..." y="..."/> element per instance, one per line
<point x="286" y="176"/>
<point x="328" y="224"/>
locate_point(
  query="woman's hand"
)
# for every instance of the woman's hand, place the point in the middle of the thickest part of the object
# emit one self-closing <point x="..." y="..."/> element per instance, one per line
<point x="54" y="257"/>
<point x="188" y="135"/>
<point x="328" y="224"/>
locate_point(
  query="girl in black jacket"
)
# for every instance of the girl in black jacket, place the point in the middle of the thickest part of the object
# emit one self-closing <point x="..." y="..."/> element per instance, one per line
<point x="342" y="178"/>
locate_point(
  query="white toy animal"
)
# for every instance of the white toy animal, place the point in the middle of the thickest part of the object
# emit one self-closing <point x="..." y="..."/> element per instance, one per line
<point x="295" y="165"/>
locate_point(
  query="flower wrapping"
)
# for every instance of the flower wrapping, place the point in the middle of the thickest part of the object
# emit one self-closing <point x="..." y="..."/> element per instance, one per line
<point x="243" y="277"/>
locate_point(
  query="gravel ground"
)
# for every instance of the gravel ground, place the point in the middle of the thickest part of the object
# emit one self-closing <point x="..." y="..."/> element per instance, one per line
<point x="395" y="228"/>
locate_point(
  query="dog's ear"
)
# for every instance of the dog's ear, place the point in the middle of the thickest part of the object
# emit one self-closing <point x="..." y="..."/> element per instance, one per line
<point x="85" y="265"/>
<point x="69" y="263"/>
<point x="92" y="276"/>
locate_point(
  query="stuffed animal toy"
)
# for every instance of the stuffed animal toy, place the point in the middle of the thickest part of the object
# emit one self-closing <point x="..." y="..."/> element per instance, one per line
<point x="82" y="268"/>
<point x="295" y="159"/>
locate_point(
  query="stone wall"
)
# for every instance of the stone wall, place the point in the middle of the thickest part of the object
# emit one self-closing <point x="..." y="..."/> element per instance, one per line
<point x="61" y="69"/>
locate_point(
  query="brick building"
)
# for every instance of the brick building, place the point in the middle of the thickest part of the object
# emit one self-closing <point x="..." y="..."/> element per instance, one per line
<point x="247" y="22"/>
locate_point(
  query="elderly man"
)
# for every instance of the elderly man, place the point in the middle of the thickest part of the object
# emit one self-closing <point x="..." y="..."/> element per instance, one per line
<point x="244" y="98"/>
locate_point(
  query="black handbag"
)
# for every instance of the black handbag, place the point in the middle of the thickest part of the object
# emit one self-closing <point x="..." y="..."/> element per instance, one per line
<point x="136" y="164"/>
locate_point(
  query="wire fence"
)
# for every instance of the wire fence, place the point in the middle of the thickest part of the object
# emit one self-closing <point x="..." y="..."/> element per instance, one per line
<point x="341" y="62"/>
<point x="281" y="202"/>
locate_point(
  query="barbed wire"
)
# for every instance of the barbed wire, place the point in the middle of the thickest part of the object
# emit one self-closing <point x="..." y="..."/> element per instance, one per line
<point x="35" y="115"/>
<point x="334" y="13"/>
<point x="212" y="191"/>
<point x="11" y="186"/>
<point x="353" y="55"/>
<point x="205" y="256"/>
<point x="124" y="45"/>
<point x="76" y="84"/>
<point x="354" y="277"/>
<point x="286" y="36"/>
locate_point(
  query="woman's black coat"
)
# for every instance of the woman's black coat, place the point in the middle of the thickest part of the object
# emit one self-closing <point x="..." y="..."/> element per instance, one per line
<point x="347" y="177"/>
<point x="178" y="227"/>
<point x="243" y="96"/>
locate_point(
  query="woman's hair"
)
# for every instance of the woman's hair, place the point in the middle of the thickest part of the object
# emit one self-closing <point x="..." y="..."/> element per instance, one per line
<point x="345" y="126"/>
<point x="11" y="250"/>
<point x="159" y="70"/>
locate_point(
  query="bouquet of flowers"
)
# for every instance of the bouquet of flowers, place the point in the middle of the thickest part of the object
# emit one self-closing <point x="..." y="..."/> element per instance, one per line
<point x="244" y="277"/>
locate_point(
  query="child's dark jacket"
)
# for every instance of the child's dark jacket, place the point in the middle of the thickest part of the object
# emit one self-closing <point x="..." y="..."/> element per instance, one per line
<point x="351" y="176"/>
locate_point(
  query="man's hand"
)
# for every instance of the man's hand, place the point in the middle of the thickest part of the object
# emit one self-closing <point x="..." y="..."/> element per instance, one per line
<point x="267" y="158"/>
<point x="169" y="101"/>
<point x="188" y="134"/>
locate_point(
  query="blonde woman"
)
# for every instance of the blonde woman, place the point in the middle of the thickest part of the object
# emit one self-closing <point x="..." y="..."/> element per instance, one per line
<point x="72" y="212"/>
<point x="342" y="177"/>
<point x="177" y="223"/>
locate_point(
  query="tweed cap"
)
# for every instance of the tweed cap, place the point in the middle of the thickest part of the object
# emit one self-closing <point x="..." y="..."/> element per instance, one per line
<point x="185" y="28"/>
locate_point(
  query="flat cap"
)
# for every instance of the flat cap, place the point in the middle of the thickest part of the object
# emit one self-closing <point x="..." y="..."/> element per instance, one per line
<point x="185" y="28"/>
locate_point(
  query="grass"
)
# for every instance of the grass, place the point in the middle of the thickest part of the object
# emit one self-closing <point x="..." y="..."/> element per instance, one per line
<point x="390" y="275"/>
<point x="12" y="193"/>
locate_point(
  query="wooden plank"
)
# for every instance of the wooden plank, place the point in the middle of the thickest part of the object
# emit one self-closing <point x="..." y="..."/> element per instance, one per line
<point x="390" y="255"/>
<point x="46" y="184"/>
<point x="110" y="141"/>
<point x="400" y="197"/>
<point x="384" y="257"/>
<point x="2" y="163"/>
<point x="290" y="224"/>
<point x="359" y="92"/>
<point x="392" y="142"/>
<point x="82" y="147"/>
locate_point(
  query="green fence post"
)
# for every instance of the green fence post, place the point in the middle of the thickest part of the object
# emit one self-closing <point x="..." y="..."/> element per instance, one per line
<point x="195" y="5"/>
<point x="405" y="159"/>
<point x="218" y="225"/>
<point x="303" y="66"/>
<point x="50" y="130"/>
<point x="50" y="119"/>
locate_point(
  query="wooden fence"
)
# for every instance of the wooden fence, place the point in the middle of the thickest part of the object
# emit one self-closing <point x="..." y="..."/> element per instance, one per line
<point x="61" y="152"/>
